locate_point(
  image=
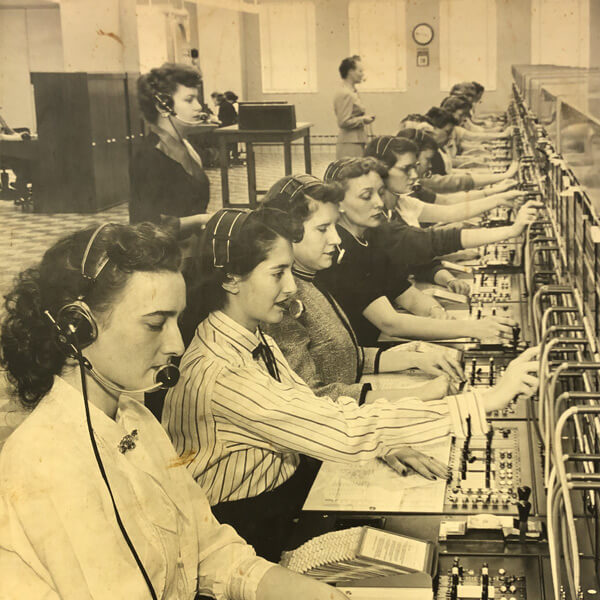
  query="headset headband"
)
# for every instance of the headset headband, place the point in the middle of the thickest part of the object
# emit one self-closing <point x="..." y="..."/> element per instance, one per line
<point x="230" y="221"/>
<point x="378" y="150"/>
<point x="303" y="182"/>
<point x="335" y="168"/>
<point x="103" y="259"/>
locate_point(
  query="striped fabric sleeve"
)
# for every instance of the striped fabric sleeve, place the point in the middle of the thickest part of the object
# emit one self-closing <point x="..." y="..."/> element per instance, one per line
<point x="460" y="408"/>
<point x="278" y="417"/>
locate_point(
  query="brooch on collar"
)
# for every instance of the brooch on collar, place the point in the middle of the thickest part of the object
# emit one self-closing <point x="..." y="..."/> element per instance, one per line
<point x="128" y="441"/>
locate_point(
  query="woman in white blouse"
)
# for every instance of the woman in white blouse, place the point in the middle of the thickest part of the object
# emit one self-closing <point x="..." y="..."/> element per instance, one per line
<point x="97" y="504"/>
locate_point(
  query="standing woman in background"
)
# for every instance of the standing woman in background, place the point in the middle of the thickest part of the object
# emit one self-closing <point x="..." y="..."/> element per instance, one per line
<point x="168" y="184"/>
<point x="350" y="114"/>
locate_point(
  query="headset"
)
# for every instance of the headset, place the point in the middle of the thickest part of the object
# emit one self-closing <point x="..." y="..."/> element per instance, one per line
<point x="166" y="105"/>
<point x="386" y="140"/>
<point x="76" y="329"/>
<point x="293" y="186"/>
<point x="229" y="223"/>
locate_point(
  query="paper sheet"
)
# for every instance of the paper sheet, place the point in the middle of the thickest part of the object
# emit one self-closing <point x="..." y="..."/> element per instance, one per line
<point x="373" y="486"/>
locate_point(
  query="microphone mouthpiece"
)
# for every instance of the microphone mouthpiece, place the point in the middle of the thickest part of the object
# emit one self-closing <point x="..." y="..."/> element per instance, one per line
<point x="341" y="253"/>
<point x="167" y="376"/>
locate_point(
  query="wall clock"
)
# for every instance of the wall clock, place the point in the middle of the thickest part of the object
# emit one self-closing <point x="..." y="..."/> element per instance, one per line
<point x="422" y="34"/>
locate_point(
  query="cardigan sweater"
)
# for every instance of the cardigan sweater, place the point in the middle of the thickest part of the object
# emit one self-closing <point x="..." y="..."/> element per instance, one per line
<point x="321" y="346"/>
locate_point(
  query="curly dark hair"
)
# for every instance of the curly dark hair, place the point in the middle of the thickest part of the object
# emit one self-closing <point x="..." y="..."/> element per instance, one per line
<point x="386" y="148"/>
<point x="420" y="137"/>
<point x="163" y="81"/>
<point x="249" y="246"/>
<point x="28" y="348"/>
<point x="439" y="117"/>
<point x="297" y="196"/>
<point x="458" y="102"/>
<point x="343" y="169"/>
<point x="464" y="88"/>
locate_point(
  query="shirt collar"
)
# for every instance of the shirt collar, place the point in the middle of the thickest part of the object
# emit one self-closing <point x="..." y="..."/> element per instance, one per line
<point x="303" y="273"/>
<point x="237" y="335"/>
<point x="176" y="149"/>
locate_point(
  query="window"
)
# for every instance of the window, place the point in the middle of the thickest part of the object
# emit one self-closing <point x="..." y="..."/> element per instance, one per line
<point x="378" y="36"/>
<point x="468" y="52"/>
<point x="287" y="46"/>
<point x="560" y="32"/>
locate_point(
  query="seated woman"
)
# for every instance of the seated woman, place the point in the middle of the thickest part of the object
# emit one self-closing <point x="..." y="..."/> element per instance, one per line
<point x="400" y="156"/>
<point x="94" y="502"/>
<point x="403" y="209"/>
<point x="168" y="184"/>
<point x="241" y="418"/>
<point x="443" y="123"/>
<point x="427" y="147"/>
<point x="360" y="283"/>
<point x="318" y="340"/>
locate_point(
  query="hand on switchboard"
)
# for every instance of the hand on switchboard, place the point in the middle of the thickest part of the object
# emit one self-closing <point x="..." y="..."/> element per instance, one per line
<point x="527" y="214"/>
<point x="493" y="327"/>
<point x="520" y="379"/>
<point x="408" y="459"/>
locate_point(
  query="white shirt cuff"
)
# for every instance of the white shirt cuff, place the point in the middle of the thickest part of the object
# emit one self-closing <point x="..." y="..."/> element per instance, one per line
<point x="248" y="574"/>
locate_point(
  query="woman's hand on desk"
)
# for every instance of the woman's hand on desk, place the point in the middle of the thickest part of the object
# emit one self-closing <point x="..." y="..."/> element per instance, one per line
<point x="407" y="458"/>
<point x="519" y="379"/>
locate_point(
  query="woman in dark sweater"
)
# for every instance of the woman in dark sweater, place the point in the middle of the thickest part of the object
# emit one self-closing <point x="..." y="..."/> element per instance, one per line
<point x="169" y="185"/>
<point x="318" y="340"/>
<point x="366" y="283"/>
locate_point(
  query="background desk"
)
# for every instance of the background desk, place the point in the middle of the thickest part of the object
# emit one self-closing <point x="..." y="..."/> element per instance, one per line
<point x="234" y="135"/>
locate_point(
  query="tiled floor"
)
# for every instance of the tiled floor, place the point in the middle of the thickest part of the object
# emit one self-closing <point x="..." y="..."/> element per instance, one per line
<point x="25" y="236"/>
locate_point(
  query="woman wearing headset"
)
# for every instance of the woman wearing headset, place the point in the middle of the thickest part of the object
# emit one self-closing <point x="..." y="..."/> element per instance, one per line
<point x="360" y="283"/>
<point x="169" y="185"/>
<point x="318" y="340"/>
<point x="94" y="502"/>
<point x="427" y="148"/>
<point x="241" y="418"/>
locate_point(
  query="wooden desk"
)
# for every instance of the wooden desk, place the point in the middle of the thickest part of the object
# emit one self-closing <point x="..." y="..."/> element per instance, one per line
<point x="234" y="135"/>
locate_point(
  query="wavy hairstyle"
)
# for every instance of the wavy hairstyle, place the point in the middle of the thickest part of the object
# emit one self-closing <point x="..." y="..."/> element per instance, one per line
<point x="298" y="196"/>
<point x="163" y="80"/>
<point x="420" y="137"/>
<point x="249" y="246"/>
<point x="28" y="348"/>
<point x="440" y="117"/>
<point x="343" y="169"/>
<point x="386" y="148"/>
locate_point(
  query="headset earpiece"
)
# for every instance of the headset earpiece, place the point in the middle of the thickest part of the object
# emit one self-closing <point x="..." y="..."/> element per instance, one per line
<point x="77" y="326"/>
<point x="164" y="103"/>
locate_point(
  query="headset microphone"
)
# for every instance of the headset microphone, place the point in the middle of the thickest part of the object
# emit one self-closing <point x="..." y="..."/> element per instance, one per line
<point x="165" y="377"/>
<point x="341" y="253"/>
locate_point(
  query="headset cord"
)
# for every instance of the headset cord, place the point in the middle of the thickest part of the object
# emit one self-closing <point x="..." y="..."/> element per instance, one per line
<point x="81" y="360"/>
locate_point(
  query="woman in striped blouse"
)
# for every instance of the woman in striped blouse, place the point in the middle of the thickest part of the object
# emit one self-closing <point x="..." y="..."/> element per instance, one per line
<point x="240" y="418"/>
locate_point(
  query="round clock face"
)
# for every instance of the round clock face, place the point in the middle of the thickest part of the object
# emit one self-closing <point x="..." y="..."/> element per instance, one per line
<point x="422" y="34"/>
